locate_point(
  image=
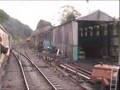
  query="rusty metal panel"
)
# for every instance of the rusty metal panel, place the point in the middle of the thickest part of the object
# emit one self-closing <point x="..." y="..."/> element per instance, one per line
<point x="63" y="38"/>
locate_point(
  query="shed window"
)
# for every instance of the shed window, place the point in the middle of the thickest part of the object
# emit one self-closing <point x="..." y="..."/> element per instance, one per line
<point x="81" y="32"/>
<point x="114" y="31"/>
<point x="86" y="32"/>
<point x="98" y="33"/>
<point x="97" y="30"/>
<point x="91" y="32"/>
<point x="115" y="41"/>
<point x="105" y="30"/>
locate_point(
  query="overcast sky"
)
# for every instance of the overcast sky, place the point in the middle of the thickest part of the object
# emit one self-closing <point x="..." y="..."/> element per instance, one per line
<point x="30" y="12"/>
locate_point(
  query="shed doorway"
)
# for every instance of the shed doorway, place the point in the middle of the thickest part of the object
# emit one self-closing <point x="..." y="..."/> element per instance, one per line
<point x="93" y="40"/>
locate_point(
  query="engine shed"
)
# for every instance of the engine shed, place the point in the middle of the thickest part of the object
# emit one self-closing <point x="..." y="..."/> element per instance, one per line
<point x="98" y="36"/>
<point x="97" y="39"/>
<point x="94" y="36"/>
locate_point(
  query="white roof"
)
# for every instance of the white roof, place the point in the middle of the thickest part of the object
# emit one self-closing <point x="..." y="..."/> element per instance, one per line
<point x="2" y="28"/>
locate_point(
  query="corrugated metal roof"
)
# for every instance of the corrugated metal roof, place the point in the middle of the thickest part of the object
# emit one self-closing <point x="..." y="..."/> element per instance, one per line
<point x="97" y="16"/>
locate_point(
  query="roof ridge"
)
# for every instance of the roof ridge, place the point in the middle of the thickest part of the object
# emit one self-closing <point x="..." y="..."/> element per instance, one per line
<point x="97" y="15"/>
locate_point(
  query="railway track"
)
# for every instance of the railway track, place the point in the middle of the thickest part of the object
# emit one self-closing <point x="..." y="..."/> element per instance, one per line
<point x="23" y="73"/>
<point x="48" y="79"/>
<point x="80" y="72"/>
<point x="81" y="68"/>
<point x="73" y="68"/>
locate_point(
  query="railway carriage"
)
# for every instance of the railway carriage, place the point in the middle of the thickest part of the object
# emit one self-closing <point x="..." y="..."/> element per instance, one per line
<point x="4" y="37"/>
<point x="4" y="44"/>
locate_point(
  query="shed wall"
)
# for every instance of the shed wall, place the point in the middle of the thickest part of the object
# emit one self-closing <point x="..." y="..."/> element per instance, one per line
<point x="63" y="39"/>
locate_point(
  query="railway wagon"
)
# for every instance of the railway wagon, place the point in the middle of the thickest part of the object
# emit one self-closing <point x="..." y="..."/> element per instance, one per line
<point x="106" y="76"/>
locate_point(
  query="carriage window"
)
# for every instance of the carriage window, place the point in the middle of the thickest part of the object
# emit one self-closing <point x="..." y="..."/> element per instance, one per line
<point x="0" y="43"/>
<point x="0" y="50"/>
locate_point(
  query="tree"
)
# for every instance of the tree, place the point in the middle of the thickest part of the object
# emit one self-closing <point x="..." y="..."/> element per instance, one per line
<point x="3" y="16"/>
<point x="68" y="14"/>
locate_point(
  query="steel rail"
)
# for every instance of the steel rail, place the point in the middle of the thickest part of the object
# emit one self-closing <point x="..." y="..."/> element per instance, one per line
<point x="73" y="68"/>
<point x="46" y="77"/>
<point x="26" y="56"/>
<point x="81" y="69"/>
<point x="74" y="71"/>
<point x="23" y="73"/>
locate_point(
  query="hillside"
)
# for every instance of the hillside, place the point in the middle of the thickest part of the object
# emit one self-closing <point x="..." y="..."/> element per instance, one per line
<point x="17" y="29"/>
<point x="42" y="26"/>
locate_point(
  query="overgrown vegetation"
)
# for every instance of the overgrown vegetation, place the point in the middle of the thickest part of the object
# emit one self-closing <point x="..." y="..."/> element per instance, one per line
<point x="3" y="16"/>
<point x="69" y="13"/>
<point x="17" y="30"/>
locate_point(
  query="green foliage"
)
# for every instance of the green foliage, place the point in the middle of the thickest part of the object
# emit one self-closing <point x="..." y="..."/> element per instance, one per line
<point x="3" y="16"/>
<point x="69" y="13"/>
<point x="70" y="17"/>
